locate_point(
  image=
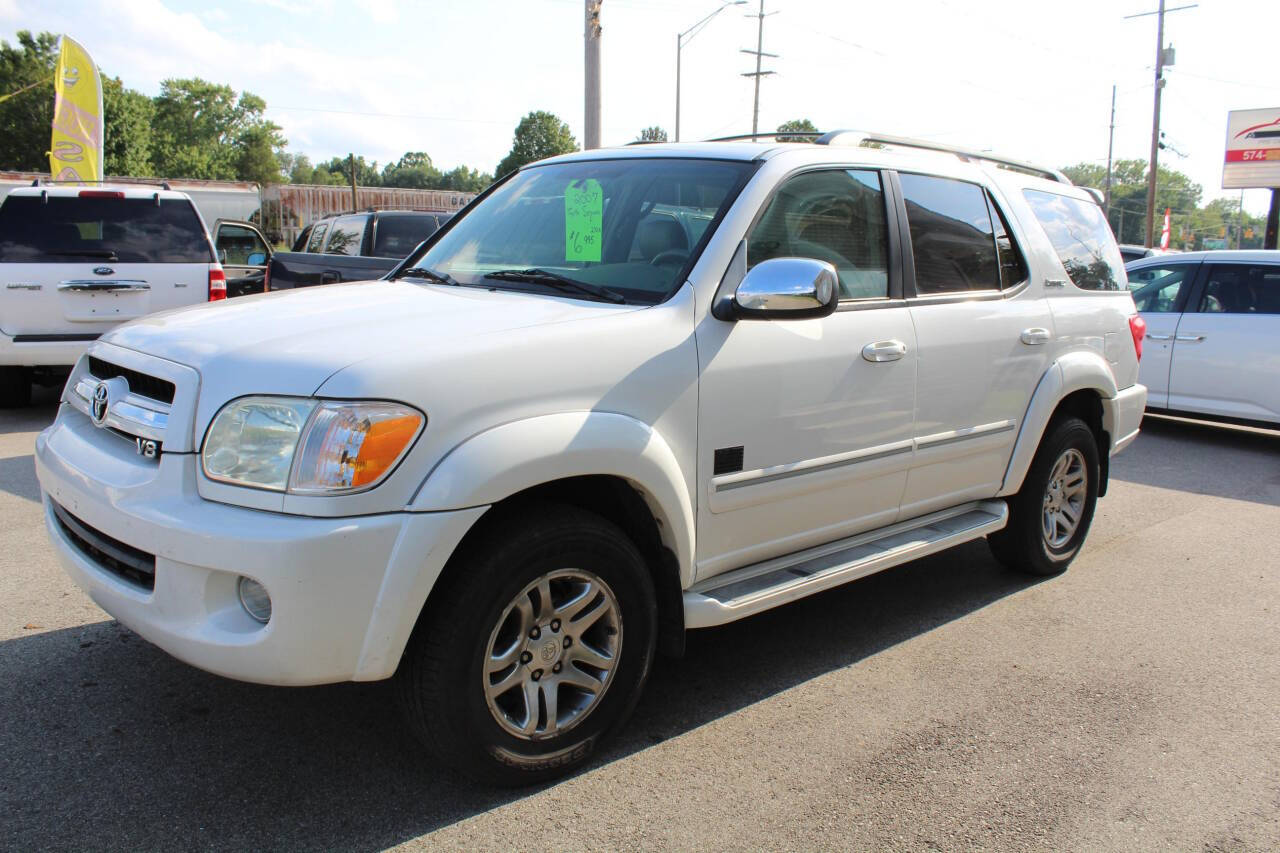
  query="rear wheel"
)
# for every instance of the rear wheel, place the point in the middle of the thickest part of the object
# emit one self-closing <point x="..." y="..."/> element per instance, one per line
<point x="1050" y="516"/>
<point x="537" y="650"/>
<point x="15" y="387"/>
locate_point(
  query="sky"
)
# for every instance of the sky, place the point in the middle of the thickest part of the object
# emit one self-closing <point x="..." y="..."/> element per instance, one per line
<point x="1029" y="79"/>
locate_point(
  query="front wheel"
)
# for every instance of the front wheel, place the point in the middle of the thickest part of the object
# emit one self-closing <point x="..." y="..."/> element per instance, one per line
<point x="536" y="651"/>
<point x="1050" y="515"/>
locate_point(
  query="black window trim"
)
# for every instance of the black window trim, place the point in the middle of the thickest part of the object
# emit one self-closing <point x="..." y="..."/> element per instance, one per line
<point x="364" y="233"/>
<point x="913" y="296"/>
<point x="892" y="197"/>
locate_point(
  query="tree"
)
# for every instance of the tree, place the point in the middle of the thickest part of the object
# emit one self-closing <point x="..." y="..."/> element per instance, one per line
<point x="26" y="118"/>
<point x="338" y="171"/>
<point x="205" y="130"/>
<point x="466" y="180"/>
<point x="652" y="134"/>
<point x="413" y="170"/>
<point x="1174" y="190"/>
<point x="798" y="125"/>
<point x="127" y="118"/>
<point x="539" y="134"/>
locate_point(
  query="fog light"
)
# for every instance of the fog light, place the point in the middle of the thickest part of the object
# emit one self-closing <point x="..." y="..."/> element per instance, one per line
<point x="254" y="599"/>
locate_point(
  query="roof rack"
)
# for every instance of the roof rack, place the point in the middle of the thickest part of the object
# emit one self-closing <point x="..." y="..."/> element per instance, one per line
<point x="860" y="137"/>
<point x="40" y="182"/>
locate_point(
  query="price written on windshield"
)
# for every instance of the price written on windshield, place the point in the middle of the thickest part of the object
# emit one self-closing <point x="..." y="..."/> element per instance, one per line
<point x="583" y="220"/>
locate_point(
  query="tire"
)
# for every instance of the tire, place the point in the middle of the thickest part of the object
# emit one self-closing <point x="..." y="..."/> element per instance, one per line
<point x="474" y="715"/>
<point x="1026" y="544"/>
<point x="15" y="387"/>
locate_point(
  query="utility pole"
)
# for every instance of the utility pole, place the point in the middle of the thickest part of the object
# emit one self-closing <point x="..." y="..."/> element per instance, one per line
<point x="1111" y="141"/>
<point x="591" y="106"/>
<point x="1155" y="114"/>
<point x="351" y="166"/>
<point x="759" y="54"/>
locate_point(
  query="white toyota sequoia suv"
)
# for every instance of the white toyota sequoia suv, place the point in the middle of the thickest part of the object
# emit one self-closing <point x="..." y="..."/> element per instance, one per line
<point x="626" y="393"/>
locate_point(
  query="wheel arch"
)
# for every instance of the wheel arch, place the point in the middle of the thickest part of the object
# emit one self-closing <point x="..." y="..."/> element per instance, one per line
<point x="1075" y="384"/>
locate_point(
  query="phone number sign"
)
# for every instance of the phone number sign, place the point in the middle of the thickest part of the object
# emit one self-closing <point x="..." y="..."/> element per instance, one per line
<point x="1253" y="149"/>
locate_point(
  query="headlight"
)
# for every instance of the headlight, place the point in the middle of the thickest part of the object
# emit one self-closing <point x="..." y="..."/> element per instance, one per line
<point x="308" y="446"/>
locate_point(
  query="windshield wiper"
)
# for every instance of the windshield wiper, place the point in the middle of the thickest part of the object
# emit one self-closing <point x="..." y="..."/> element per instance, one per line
<point x="429" y="274"/>
<point x="560" y="282"/>
<point x="105" y="254"/>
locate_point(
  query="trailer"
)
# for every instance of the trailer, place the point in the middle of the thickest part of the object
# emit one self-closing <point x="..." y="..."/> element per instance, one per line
<point x="289" y="208"/>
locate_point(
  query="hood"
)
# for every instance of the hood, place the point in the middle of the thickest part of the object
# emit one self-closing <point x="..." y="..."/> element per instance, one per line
<point x="291" y="341"/>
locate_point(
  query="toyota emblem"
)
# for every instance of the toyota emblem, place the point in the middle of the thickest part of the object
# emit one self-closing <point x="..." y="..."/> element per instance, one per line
<point x="99" y="405"/>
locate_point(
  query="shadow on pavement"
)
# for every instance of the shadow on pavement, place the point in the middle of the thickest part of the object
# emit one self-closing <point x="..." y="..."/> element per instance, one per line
<point x="35" y="417"/>
<point x="1203" y="458"/>
<point x="18" y="477"/>
<point x="109" y="743"/>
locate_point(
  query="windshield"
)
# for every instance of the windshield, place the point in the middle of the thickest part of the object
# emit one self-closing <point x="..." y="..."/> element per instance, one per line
<point x="631" y="225"/>
<point x="65" y="228"/>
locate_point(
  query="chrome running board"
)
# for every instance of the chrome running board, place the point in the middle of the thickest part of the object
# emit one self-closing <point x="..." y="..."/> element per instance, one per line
<point x="755" y="588"/>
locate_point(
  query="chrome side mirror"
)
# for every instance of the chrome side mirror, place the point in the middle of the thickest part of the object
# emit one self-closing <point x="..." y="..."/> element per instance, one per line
<point x="787" y="289"/>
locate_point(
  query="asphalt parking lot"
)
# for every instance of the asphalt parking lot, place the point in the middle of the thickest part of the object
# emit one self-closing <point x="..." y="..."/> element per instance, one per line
<point x="1128" y="704"/>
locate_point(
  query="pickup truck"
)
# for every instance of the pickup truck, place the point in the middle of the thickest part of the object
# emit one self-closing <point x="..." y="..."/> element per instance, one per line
<point x="351" y="247"/>
<point x="625" y="394"/>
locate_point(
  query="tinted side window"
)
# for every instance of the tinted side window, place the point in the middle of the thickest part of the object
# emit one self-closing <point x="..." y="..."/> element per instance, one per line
<point x="1081" y="237"/>
<point x="347" y="235"/>
<point x="396" y="235"/>
<point x="317" y="237"/>
<point x="1156" y="289"/>
<point x="1013" y="269"/>
<point x="833" y="216"/>
<point x="1242" y="289"/>
<point x="67" y="228"/>
<point x="952" y="240"/>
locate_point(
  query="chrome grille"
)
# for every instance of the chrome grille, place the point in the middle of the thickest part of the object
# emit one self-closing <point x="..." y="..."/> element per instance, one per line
<point x="139" y="383"/>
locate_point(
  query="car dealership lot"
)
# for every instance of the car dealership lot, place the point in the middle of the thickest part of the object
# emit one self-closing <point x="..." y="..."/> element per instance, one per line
<point x="947" y="703"/>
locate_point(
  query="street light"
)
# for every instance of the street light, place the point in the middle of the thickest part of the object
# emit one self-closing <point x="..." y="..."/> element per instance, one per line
<point x="680" y="44"/>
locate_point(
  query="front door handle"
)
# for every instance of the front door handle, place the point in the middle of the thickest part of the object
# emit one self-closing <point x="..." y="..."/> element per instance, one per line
<point x="1152" y="337"/>
<point x="1034" y="336"/>
<point x="884" y="351"/>
<point x="1193" y="339"/>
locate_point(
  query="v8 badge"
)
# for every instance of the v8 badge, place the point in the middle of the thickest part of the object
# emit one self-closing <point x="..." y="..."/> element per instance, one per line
<point x="148" y="447"/>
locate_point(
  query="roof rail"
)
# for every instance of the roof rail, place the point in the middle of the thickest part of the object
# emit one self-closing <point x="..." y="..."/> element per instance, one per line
<point x="45" y="182"/>
<point x="782" y="134"/>
<point x="859" y="137"/>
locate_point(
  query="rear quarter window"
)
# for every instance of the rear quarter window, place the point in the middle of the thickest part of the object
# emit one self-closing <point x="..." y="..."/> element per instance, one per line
<point x="396" y="235"/>
<point x="1080" y="235"/>
<point x="63" y="229"/>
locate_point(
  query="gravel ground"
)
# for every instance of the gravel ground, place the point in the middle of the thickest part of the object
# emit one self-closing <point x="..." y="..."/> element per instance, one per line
<point x="1128" y="704"/>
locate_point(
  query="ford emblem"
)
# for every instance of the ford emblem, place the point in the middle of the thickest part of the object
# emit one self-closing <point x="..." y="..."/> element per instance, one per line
<point x="103" y="271"/>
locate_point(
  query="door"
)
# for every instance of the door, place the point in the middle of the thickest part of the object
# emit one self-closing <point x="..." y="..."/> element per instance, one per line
<point x="983" y="340"/>
<point x="805" y="425"/>
<point x="244" y="255"/>
<point x="1160" y="294"/>
<point x="1226" y="354"/>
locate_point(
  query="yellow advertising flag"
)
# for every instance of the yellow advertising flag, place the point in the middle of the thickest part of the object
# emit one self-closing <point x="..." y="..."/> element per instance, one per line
<point x="76" y="151"/>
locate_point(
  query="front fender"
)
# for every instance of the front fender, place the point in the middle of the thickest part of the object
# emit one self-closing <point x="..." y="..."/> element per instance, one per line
<point x="1074" y="371"/>
<point x="510" y="458"/>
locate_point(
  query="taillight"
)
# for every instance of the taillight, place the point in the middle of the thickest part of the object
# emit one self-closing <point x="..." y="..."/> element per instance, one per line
<point x="217" y="283"/>
<point x="1137" y="328"/>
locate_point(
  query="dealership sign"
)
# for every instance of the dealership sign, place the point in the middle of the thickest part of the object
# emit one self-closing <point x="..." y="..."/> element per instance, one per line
<point x="1253" y="149"/>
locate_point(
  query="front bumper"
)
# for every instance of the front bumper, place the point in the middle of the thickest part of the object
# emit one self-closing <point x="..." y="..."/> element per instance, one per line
<point x="345" y="592"/>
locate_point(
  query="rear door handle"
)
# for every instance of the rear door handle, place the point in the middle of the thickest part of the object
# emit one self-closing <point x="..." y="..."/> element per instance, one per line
<point x="884" y="351"/>
<point x="329" y="277"/>
<point x="1035" y="336"/>
<point x="1193" y="339"/>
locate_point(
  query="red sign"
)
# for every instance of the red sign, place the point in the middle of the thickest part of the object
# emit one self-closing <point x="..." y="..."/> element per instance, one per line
<point x="1253" y="155"/>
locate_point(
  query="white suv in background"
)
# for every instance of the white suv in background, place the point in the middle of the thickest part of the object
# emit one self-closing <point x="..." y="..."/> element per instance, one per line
<point x="625" y="393"/>
<point x="1213" y="334"/>
<point x="76" y="261"/>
